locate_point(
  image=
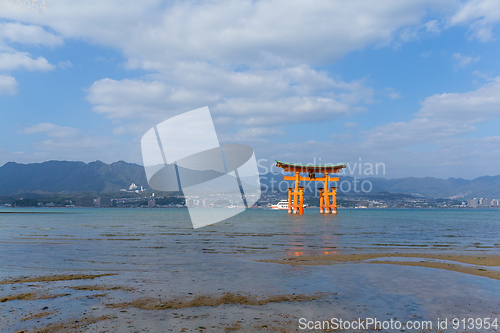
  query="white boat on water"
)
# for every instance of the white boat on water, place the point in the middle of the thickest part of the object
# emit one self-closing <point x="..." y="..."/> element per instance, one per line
<point x="282" y="205"/>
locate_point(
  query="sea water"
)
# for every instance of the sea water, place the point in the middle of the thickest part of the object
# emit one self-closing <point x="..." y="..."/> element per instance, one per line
<point x="158" y="252"/>
<point x="66" y="239"/>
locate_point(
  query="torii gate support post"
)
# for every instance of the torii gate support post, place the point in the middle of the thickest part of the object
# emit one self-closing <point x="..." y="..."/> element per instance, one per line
<point x="334" y="200"/>
<point x="321" y="204"/>
<point x="328" y="205"/>
<point x="296" y="192"/>
<point x="290" y="200"/>
<point x="301" y="194"/>
<point x="326" y="194"/>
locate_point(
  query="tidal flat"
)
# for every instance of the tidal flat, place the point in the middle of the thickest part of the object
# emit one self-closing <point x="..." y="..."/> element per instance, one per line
<point x="131" y="270"/>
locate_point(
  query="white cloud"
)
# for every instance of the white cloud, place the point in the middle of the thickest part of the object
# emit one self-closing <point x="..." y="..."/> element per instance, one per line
<point x="8" y="85"/>
<point x="153" y="34"/>
<point x="241" y="58"/>
<point x="75" y="148"/>
<point x="441" y="117"/>
<point x="431" y="144"/>
<point x="245" y="59"/>
<point x="67" y="143"/>
<point x="389" y="92"/>
<point x="426" y="54"/>
<point x="249" y="112"/>
<point x="416" y="131"/>
<point x="65" y="64"/>
<point x="445" y="159"/>
<point x="254" y="98"/>
<point x="267" y="33"/>
<point x="464" y="60"/>
<point x="17" y="60"/>
<point x="480" y="15"/>
<point x="10" y="59"/>
<point x="28" y="34"/>
<point x="78" y="148"/>
<point x="351" y="124"/>
<point x="128" y="99"/>
<point x="252" y="134"/>
<point x="425" y="29"/>
<point x="471" y="107"/>
<point x="52" y="130"/>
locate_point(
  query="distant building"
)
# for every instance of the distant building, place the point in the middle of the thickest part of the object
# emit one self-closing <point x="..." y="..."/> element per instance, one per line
<point x="483" y="202"/>
<point x="151" y="203"/>
<point x="473" y="203"/>
<point x="105" y="202"/>
<point x="84" y="202"/>
<point x="133" y="188"/>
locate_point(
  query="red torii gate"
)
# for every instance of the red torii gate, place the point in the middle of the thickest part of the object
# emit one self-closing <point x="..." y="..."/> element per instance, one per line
<point x="296" y="194"/>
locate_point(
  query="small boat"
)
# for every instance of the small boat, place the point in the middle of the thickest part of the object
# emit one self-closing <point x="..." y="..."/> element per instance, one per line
<point x="282" y="205"/>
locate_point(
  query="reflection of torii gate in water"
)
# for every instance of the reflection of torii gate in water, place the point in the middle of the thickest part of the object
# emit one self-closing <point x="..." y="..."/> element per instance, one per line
<point x="296" y="194"/>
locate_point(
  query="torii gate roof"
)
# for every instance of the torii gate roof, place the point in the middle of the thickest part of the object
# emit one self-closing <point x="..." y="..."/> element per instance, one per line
<point x="322" y="168"/>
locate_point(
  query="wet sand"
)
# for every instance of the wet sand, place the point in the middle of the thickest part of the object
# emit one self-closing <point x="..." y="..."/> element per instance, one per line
<point x="104" y="306"/>
<point x="30" y="297"/>
<point x="52" y="278"/>
<point x="186" y="310"/>
<point x="327" y="259"/>
<point x="480" y="262"/>
<point x="212" y="300"/>
<point x="71" y="325"/>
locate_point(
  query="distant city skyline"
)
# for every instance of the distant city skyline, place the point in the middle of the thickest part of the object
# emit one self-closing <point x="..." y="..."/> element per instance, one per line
<point x="483" y="202"/>
<point x="414" y="85"/>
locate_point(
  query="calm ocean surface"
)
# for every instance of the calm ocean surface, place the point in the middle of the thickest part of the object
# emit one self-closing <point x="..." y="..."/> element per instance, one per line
<point x="74" y="239"/>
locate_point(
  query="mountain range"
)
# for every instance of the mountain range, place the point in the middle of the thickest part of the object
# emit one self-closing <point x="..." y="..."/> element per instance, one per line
<point x="69" y="177"/>
<point x="426" y="187"/>
<point x="451" y="188"/>
<point x="99" y="177"/>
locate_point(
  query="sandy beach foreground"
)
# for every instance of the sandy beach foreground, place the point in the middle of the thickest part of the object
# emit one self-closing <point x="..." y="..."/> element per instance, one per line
<point x="125" y="309"/>
<point x="91" y="302"/>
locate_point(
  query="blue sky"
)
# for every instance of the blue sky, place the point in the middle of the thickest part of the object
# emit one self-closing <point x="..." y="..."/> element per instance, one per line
<point x="411" y="84"/>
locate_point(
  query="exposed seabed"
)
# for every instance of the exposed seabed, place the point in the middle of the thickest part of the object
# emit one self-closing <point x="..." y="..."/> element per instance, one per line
<point x="237" y="294"/>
